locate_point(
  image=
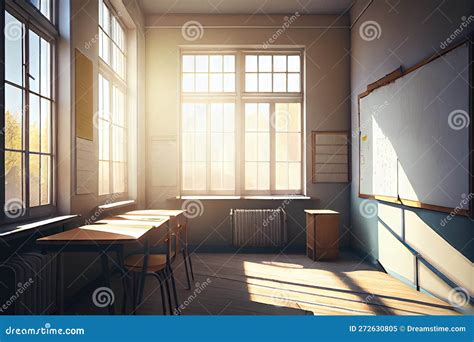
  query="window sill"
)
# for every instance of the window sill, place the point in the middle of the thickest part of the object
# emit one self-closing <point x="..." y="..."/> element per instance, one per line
<point x="13" y="228"/>
<point x="116" y="205"/>
<point x="265" y="198"/>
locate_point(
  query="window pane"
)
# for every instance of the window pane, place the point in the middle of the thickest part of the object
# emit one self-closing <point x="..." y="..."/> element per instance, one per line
<point x="104" y="98"/>
<point x="229" y="83"/>
<point x="119" y="177"/>
<point x="281" y="147"/>
<point x="14" y="32"/>
<point x="294" y="175"/>
<point x="104" y="176"/>
<point x="34" y="62"/>
<point x="118" y="143"/>
<point x="188" y="63"/>
<point x="118" y="111"/>
<point x="34" y="125"/>
<point x="293" y="63"/>
<point x="45" y="8"/>
<point x="264" y="63"/>
<point x="279" y="82"/>
<point x="201" y="82"/>
<point x="45" y="68"/>
<point x="202" y="63"/>
<point x="34" y="178"/>
<point x="263" y="116"/>
<point x="216" y="82"/>
<point x="251" y="115"/>
<point x="188" y="83"/>
<point x="294" y="146"/>
<point x="45" y="179"/>
<point x="13" y="118"/>
<point x="279" y="63"/>
<point x="13" y="178"/>
<point x="229" y="63"/>
<point x="251" y="175"/>
<point x="216" y="63"/>
<point x="251" y="82"/>
<point x="104" y="142"/>
<point x="295" y="117"/>
<point x="281" y="176"/>
<point x="104" y="47"/>
<point x="263" y="146"/>
<point x="263" y="177"/>
<point x="45" y="126"/>
<point x="293" y="82"/>
<point x="251" y="63"/>
<point x="265" y="82"/>
<point x="188" y="117"/>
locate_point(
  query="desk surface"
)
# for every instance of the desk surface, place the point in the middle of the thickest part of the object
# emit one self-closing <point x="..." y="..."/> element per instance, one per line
<point x="102" y="233"/>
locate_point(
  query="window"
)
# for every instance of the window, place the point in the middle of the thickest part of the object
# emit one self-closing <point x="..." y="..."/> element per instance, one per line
<point x="111" y="119"/>
<point x="111" y="40"/>
<point x="28" y="116"/>
<point x="44" y="6"/>
<point x="235" y="138"/>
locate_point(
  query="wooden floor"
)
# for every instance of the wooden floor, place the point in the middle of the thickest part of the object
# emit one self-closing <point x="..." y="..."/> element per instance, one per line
<point x="269" y="284"/>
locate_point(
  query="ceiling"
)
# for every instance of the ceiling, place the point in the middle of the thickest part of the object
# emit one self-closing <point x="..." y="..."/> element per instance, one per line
<point x="245" y="6"/>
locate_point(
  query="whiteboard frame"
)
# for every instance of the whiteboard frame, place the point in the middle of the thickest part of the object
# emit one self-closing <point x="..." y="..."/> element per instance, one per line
<point x="392" y="77"/>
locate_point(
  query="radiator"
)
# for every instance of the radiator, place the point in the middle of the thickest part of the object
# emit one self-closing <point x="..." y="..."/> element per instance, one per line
<point x="28" y="285"/>
<point x="259" y="227"/>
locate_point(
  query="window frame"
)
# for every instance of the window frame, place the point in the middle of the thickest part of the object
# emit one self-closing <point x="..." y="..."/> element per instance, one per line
<point x="241" y="98"/>
<point x="26" y="14"/>
<point x="115" y="80"/>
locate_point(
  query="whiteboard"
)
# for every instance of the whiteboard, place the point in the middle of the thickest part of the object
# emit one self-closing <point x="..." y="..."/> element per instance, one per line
<point x="414" y="134"/>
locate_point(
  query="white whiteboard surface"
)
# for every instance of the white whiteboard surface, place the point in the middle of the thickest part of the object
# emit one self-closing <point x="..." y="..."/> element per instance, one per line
<point x="408" y="146"/>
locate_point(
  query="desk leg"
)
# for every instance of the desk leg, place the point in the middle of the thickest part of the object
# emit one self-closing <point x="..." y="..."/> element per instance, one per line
<point x="59" y="284"/>
<point x="105" y="268"/>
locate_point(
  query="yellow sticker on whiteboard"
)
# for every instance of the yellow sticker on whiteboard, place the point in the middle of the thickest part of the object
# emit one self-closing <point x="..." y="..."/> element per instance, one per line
<point x="364" y="138"/>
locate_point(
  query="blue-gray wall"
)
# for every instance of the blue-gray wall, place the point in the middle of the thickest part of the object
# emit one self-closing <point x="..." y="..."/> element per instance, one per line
<point x="409" y="32"/>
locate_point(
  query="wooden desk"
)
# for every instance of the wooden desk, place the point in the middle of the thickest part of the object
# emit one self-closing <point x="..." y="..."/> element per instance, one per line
<point x="100" y="238"/>
<point x="322" y="234"/>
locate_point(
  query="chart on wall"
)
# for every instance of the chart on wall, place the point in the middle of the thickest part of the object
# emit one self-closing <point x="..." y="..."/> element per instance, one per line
<point x="414" y="135"/>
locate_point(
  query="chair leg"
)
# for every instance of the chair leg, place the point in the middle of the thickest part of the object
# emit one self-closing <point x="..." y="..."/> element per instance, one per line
<point x="175" y="293"/>
<point x="168" y="291"/>
<point x="162" y="291"/>
<point x="186" y="268"/>
<point x="190" y="263"/>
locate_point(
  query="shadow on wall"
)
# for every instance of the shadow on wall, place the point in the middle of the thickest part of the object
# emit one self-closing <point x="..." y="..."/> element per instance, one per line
<point x="403" y="234"/>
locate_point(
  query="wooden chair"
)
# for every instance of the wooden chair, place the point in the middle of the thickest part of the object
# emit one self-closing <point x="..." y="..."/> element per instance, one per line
<point x="157" y="265"/>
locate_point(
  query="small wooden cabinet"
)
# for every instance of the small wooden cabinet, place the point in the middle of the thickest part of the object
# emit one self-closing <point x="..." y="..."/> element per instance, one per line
<point x="322" y="234"/>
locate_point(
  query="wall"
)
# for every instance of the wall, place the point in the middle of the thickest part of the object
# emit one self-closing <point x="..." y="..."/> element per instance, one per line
<point x="326" y="42"/>
<point x="79" y="29"/>
<point x="409" y="31"/>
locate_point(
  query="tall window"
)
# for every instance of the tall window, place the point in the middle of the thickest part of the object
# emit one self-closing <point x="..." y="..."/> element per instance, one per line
<point x="111" y="119"/>
<point x="241" y="123"/>
<point x="28" y="107"/>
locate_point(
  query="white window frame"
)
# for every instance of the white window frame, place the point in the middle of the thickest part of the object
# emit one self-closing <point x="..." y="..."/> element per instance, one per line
<point x="241" y="97"/>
